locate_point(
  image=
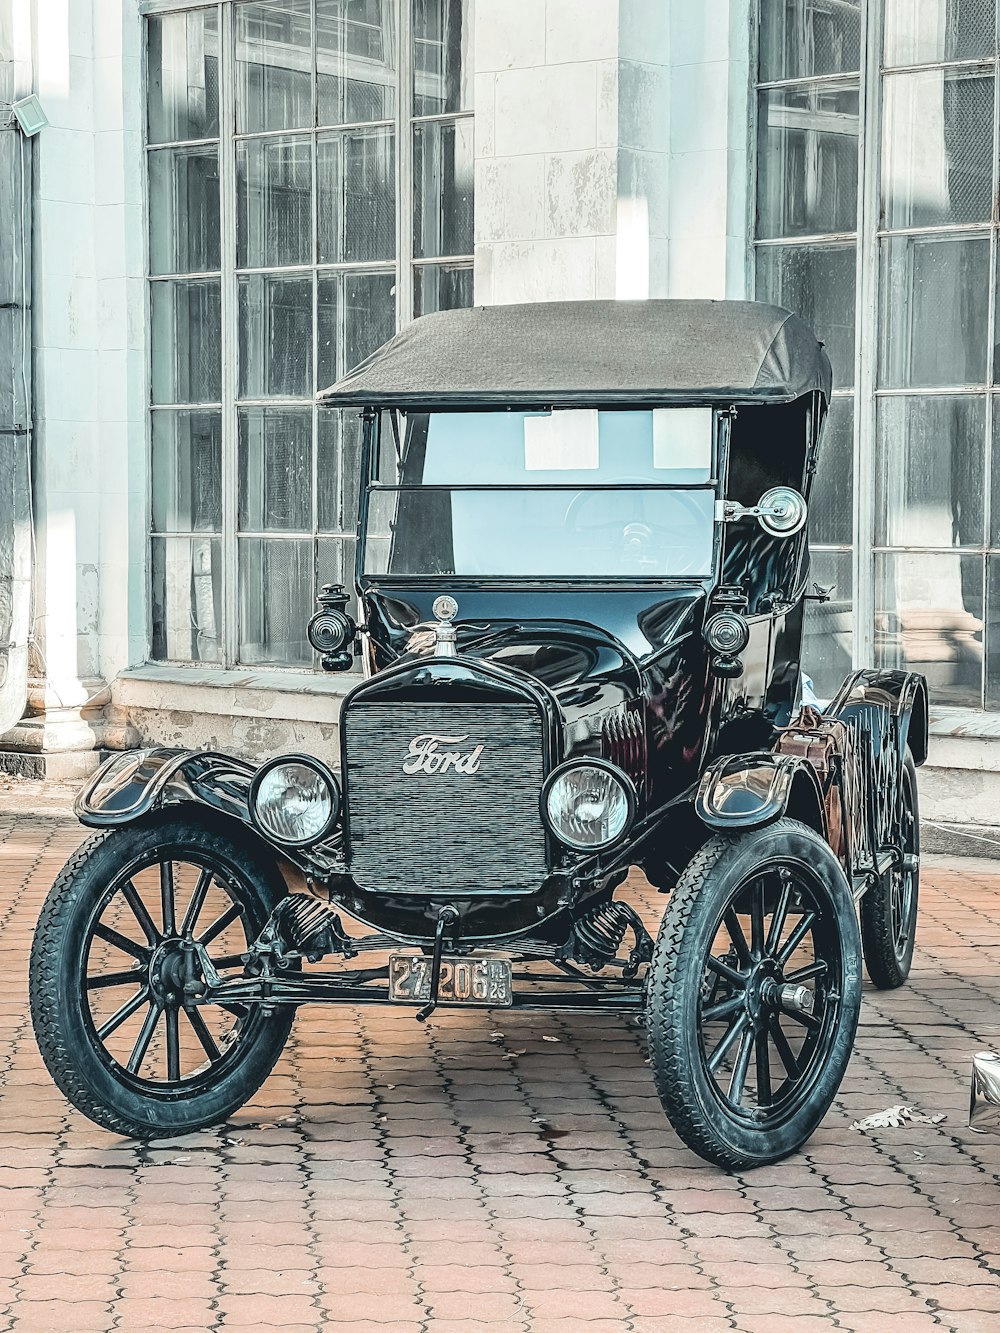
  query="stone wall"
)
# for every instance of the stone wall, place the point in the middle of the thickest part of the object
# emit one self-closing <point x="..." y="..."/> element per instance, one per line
<point x="89" y="360"/>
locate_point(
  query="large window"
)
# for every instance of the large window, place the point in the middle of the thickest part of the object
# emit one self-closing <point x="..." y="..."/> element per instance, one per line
<point x="878" y="121"/>
<point x="310" y="170"/>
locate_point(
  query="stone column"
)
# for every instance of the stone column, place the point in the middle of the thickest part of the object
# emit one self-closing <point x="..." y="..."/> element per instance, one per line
<point x="611" y="149"/>
<point x="89" y="411"/>
<point x="710" y="118"/>
<point x="570" y="150"/>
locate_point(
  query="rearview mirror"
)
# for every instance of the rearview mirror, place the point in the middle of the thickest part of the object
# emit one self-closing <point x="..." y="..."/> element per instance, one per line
<point x="781" y="511"/>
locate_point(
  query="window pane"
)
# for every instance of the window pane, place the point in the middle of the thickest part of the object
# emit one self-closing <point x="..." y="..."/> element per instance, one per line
<point x="273" y="201"/>
<point x="937" y="149"/>
<point x="277" y="597"/>
<point x="827" y="634"/>
<point x="183" y="210"/>
<point x="441" y="287"/>
<point x="995" y="479"/>
<point x="938" y="30"/>
<point x="275" y="468"/>
<point x="338" y="469"/>
<point x="443" y="189"/>
<point x="187" y="599"/>
<point x="817" y="283"/>
<point x="930" y="471"/>
<point x="935" y="303"/>
<point x="442" y="56"/>
<point x="929" y="618"/>
<point x="993" y="631"/>
<point x="273" y="66"/>
<point x="799" y="38"/>
<point x="356" y="60"/>
<point x="187" y="471"/>
<point x="807" y="161"/>
<point x="831" y="505"/>
<point x="356" y="314"/>
<point x="186" y="338"/>
<point x="275" y="336"/>
<point x="183" y="68"/>
<point x="335" y="564"/>
<point x="11" y="411"/>
<point x="357" y="196"/>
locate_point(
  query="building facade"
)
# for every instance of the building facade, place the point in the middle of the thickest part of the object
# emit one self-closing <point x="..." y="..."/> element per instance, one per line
<point x="233" y="203"/>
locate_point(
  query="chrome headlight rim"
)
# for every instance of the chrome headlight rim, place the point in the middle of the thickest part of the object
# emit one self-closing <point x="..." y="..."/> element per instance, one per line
<point x="318" y="767"/>
<point x="605" y="766"/>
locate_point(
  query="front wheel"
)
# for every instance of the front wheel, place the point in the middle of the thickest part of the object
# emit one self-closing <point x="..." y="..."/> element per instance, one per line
<point x="116" y="966"/>
<point x="754" y="994"/>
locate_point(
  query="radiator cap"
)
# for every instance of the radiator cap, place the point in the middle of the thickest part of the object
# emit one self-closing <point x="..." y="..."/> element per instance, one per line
<point x="446" y="609"/>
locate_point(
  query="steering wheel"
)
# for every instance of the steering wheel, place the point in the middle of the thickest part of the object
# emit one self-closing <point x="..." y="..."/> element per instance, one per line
<point x="637" y="529"/>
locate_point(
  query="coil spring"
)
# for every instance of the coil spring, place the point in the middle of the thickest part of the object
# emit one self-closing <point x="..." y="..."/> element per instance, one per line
<point x="305" y="924"/>
<point x="598" y="936"/>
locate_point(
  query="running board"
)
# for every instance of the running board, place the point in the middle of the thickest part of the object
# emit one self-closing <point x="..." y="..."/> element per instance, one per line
<point x="866" y="878"/>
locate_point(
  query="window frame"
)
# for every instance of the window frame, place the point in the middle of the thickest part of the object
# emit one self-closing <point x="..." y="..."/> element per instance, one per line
<point x="403" y="269"/>
<point x="859" y="551"/>
<point x="872" y="235"/>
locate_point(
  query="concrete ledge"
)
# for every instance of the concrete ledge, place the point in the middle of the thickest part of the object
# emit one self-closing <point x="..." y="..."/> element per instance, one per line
<point x="50" y="766"/>
<point x="965" y="840"/>
<point x="299" y="696"/>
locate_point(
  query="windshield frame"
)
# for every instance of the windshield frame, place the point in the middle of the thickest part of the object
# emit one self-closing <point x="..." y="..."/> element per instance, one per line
<point x="379" y="433"/>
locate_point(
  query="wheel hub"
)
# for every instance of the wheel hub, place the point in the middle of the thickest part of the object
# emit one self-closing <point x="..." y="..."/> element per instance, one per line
<point x="175" y="975"/>
<point x="768" y="993"/>
<point x="763" y="986"/>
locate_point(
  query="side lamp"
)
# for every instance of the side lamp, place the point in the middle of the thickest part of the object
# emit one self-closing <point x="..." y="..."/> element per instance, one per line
<point x="331" y="631"/>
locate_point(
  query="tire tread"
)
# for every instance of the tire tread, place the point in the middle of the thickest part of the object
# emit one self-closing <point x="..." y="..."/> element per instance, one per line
<point x="666" y="1013"/>
<point x="47" y="1001"/>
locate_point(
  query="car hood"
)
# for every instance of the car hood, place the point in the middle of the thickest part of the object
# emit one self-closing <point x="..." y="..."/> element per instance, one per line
<point x="626" y="667"/>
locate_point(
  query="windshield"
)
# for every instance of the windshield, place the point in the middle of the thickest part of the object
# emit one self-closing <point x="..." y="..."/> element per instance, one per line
<point x="566" y="493"/>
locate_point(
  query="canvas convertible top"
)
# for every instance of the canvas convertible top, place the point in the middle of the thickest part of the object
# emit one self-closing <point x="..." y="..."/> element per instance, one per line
<point x="560" y="353"/>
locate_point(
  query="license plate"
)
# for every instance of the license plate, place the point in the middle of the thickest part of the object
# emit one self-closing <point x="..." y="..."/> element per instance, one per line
<point x="463" y="980"/>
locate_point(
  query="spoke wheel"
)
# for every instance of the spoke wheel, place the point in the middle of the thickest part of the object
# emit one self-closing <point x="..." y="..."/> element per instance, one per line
<point x="889" y="908"/>
<point x="118" y="974"/>
<point x="754" y="994"/>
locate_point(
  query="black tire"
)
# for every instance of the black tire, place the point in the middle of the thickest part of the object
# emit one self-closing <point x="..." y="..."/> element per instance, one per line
<point x="889" y="908"/>
<point x="111" y="903"/>
<point x="783" y="869"/>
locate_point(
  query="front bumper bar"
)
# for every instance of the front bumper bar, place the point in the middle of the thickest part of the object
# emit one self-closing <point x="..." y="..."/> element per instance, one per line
<point x="371" y="987"/>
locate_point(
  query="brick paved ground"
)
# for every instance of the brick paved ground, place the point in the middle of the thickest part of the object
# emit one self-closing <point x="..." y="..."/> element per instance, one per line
<point x="389" y="1176"/>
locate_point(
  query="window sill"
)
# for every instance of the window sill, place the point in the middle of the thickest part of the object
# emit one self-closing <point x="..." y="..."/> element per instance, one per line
<point x="965" y="723"/>
<point x="303" y="696"/>
<point x="964" y="739"/>
<point x="961" y="737"/>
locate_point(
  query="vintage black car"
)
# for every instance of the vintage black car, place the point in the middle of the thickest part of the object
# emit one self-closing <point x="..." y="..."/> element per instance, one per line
<point x="581" y="575"/>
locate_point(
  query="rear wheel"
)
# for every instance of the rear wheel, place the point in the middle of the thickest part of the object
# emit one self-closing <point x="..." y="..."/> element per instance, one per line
<point x="889" y="908"/>
<point x="116" y="966"/>
<point x="754" y="994"/>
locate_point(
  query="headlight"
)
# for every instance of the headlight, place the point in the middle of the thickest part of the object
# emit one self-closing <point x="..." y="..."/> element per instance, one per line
<point x="294" y="799"/>
<point x="727" y="633"/>
<point x="588" y="804"/>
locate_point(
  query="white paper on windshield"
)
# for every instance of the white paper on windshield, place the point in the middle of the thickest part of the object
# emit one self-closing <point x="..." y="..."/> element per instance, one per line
<point x="561" y="441"/>
<point x="682" y="439"/>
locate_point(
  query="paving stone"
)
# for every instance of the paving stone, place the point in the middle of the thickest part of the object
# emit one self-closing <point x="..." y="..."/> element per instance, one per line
<point x="393" y="1176"/>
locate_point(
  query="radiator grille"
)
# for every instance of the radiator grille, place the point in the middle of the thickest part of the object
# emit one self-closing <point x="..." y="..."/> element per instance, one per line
<point x="445" y="831"/>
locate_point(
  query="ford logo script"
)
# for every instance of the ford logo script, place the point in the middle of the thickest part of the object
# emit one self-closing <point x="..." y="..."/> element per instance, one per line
<point x="424" y="756"/>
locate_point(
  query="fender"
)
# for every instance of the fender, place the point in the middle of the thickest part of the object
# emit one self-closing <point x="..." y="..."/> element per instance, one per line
<point x="902" y="693"/>
<point x="744" y="791"/>
<point x="130" y="785"/>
